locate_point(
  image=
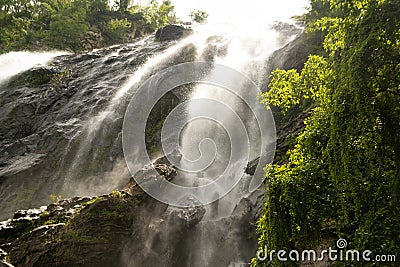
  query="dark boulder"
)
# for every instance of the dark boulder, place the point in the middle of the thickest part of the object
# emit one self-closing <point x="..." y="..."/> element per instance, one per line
<point x="294" y="54"/>
<point x="149" y="177"/>
<point x="252" y="166"/>
<point x="172" y="32"/>
<point x="188" y="216"/>
<point x="287" y="29"/>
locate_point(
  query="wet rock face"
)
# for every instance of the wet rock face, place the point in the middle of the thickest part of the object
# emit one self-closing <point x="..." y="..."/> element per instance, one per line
<point x="3" y="261"/>
<point x="24" y="221"/>
<point x="188" y="216"/>
<point x="74" y="232"/>
<point x="172" y="32"/>
<point x="31" y="234"/>
<point x="47" y="144"/>
<point x="287" y="29"/>
<point x="158" y="240"/>
<point x="149" y="175"/>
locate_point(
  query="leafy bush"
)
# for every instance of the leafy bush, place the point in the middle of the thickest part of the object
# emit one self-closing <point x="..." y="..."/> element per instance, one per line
<point x="198" y="16"/>
<point x="118" y="29"/>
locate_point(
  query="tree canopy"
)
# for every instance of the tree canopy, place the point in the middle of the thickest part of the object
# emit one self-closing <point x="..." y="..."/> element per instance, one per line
<point x="72" y="24"/>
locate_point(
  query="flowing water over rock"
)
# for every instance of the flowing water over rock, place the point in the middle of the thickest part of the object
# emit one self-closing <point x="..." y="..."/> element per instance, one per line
<point x="61" y="135"/>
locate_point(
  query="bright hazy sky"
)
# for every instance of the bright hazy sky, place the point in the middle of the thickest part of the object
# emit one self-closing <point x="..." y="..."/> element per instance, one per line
<point x="256" y="10"/>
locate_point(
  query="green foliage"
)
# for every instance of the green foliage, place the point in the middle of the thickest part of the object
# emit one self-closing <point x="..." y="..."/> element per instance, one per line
<point x="66" y="27"/>
<point x="76" y="237"/>
<point x="55" y="198"/>
<point x="198" y="16"/>
<point x="153" y="15"/>
<point x="289" y="88"/>
<point x="63" y="24"/>
<point x="118" y="29"/>
<point x="46" y="219"/>
<point x="118" y="194"/>
<point x="342" y="175"/>
<point x="335" y="37"/>
<point x="166" y="13"/>
<point x="92" y="201"/>
<point x="61" y="79"/>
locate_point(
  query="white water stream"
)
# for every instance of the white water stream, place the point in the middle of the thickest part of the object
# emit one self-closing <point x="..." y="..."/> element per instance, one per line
<point x="14" y="63"/>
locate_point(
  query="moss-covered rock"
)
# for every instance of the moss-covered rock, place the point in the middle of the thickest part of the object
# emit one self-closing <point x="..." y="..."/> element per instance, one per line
<point x="35" y="76"/>
<point x="83" y="231"/>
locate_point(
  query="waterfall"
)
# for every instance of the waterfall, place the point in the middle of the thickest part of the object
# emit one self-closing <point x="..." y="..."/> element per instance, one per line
<point x="226" y="44"/>
<point x="80" y="145"/>
<point x="219" y="239"/>
<point x="14" y="63"/>
<point x="246" y="52"/>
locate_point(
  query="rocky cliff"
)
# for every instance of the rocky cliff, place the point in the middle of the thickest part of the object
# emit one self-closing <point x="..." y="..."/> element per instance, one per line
<point x="49" y="141"/>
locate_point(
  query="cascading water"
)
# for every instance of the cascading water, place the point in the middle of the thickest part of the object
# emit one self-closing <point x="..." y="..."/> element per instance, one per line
<point x="60" y="131"/>
<point x="14" y="63"/>
<point x="88" y="122"/>
<point x="94" y="125"/>
<point x="220" y="238"/>
<point x="246" y="53"/>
